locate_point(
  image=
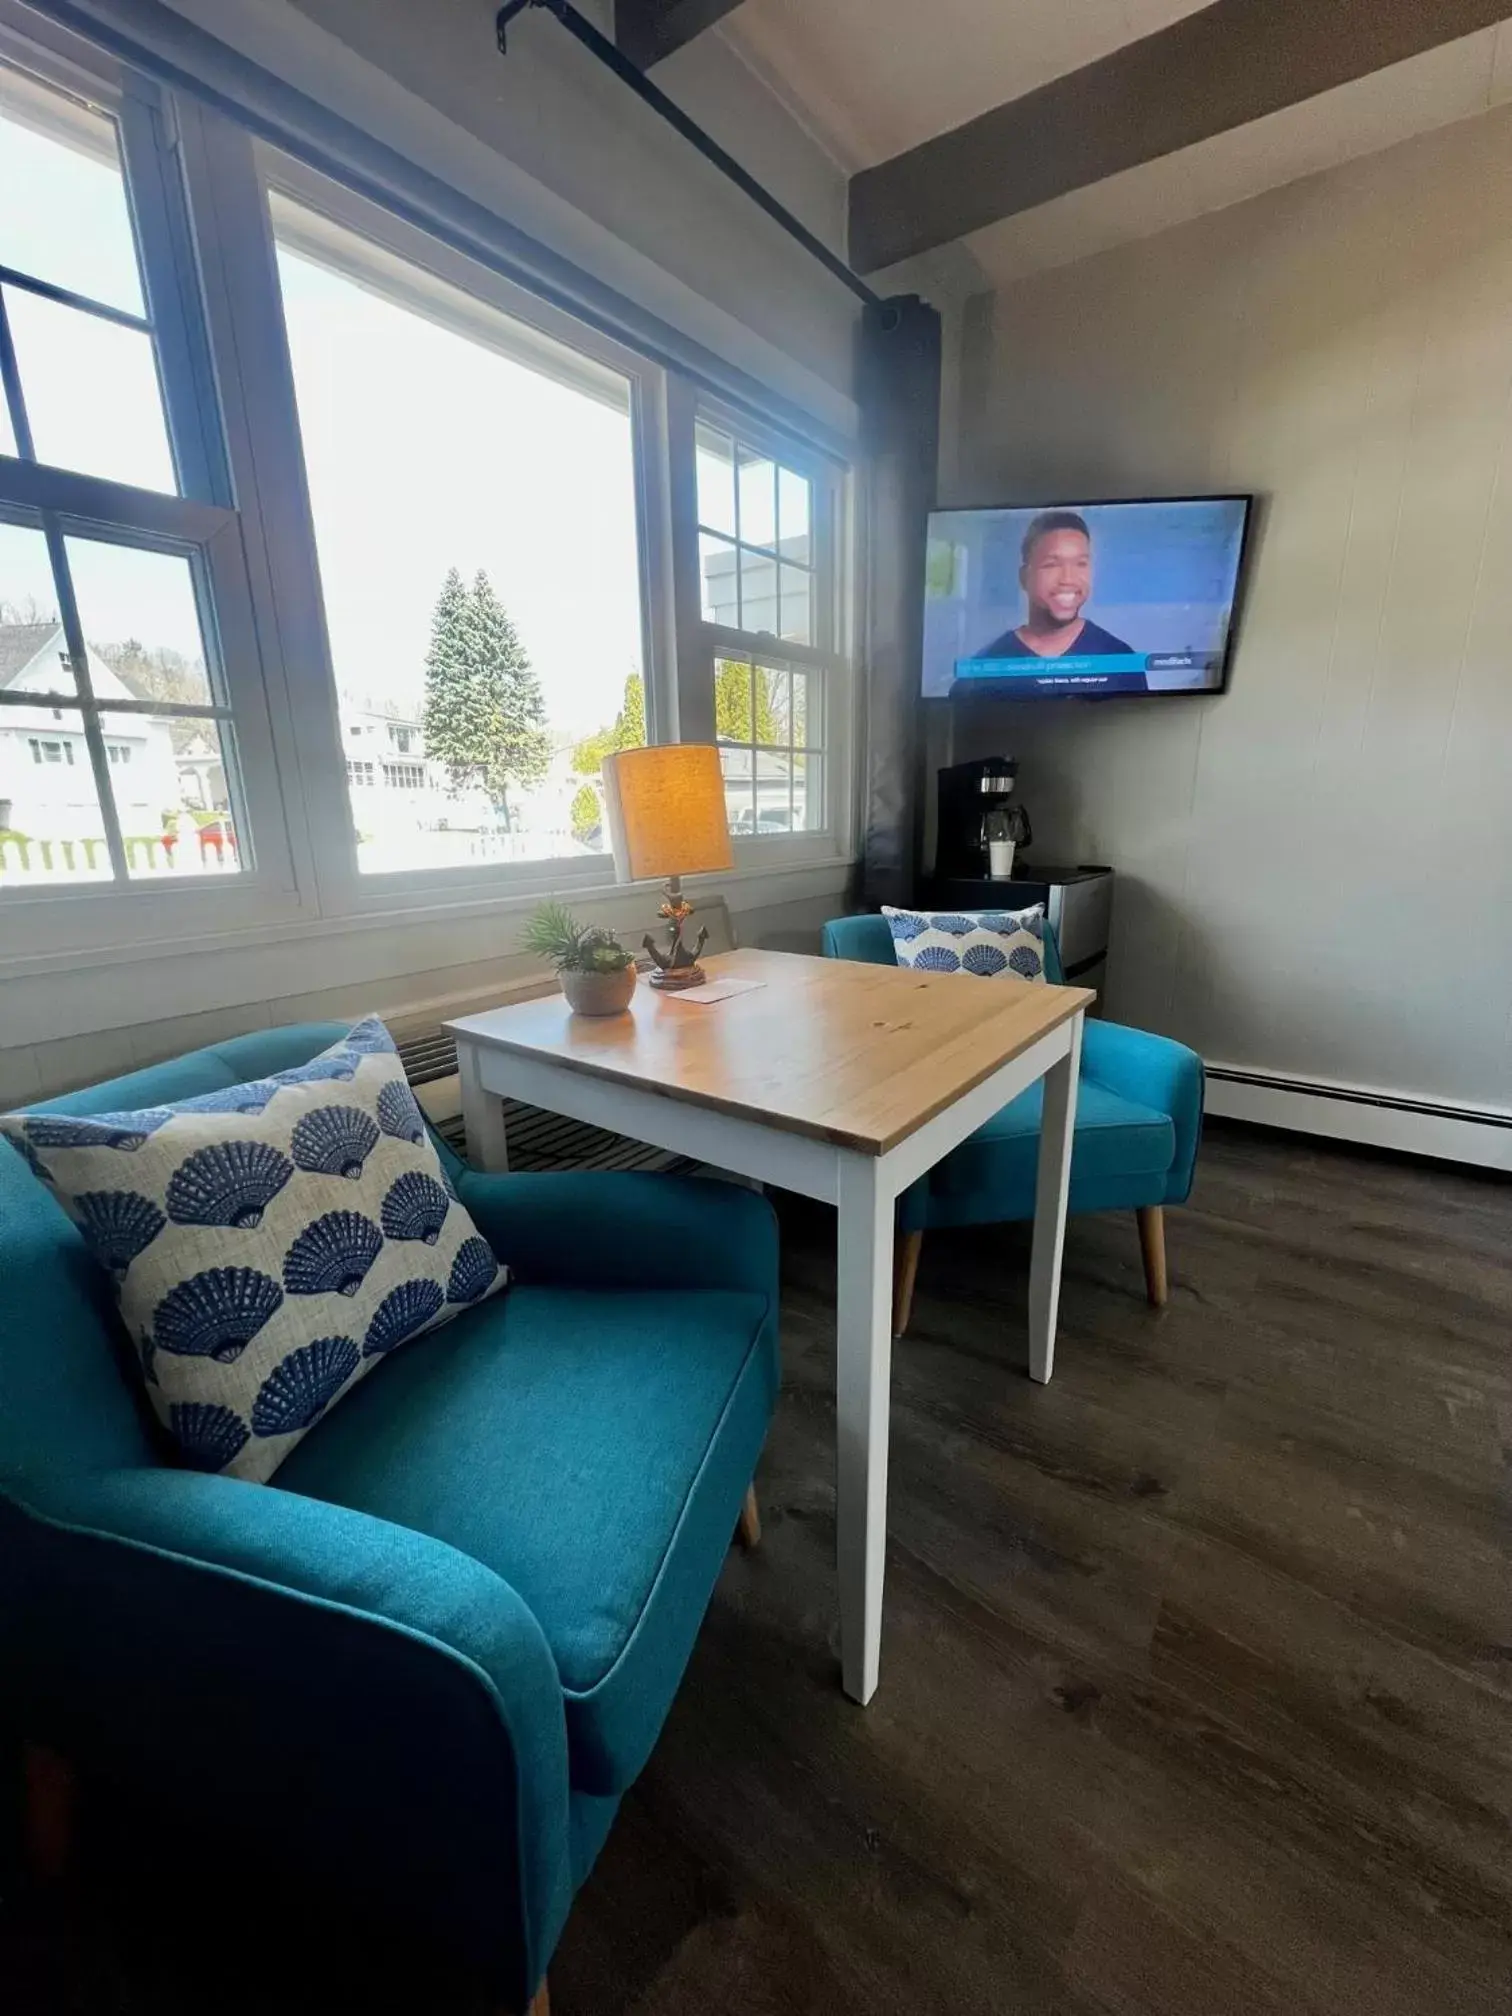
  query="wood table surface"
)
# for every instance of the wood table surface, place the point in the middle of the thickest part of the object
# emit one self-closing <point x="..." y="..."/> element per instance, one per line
<point x="854" y="1054"/>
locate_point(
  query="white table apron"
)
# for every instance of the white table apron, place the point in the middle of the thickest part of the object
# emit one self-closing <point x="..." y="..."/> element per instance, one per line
<point x="864" y="1190"/>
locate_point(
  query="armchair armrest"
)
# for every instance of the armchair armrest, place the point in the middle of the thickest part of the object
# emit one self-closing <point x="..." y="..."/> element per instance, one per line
<point x="374" y="1699"/>
<point x="602" y="1230"/>
<point x="1155" y="1071"/>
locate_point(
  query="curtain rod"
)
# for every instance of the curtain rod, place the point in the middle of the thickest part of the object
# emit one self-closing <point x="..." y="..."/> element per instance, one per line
<point x="600" y="46"/>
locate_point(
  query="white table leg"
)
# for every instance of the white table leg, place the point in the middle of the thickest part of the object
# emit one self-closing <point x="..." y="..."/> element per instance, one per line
<point x="482" y="1115"/>
<point x="863" y="1370"/>
<point x="1051" y="1189"/>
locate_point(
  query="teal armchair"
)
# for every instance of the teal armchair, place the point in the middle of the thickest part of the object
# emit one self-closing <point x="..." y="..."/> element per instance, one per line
<point x="1138" y="1122"/>
<point x="410" y="1679"/>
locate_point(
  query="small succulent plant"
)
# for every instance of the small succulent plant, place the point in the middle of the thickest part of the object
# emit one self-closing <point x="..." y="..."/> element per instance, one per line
<point x="554" y="933"/>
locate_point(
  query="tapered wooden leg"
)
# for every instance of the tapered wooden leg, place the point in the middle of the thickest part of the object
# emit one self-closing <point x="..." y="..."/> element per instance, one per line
<point x="905" y="1273"/>
<point x="1152" y="1249"/>
<point x="50" y="1793"/>
<point x="750" y="1519"/>
<point x="541" y="2006"/>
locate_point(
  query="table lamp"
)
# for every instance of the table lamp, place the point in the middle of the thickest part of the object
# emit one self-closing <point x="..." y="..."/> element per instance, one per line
<point x="667" y="819"/>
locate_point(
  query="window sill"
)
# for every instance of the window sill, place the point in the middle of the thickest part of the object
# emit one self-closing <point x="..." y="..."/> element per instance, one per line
<point x="751" y="885"/>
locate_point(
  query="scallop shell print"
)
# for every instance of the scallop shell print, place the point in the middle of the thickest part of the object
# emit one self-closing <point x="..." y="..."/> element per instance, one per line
<point x="215" y="1314"/>
<point x="208" y="1437"/>
<point x="1026" y="962"/>
<point x="415" y="1207"/>
<point x="984" y="960"/>
<point x="118" y="1225"/>
<point x="937" y="959"/>
<point x="126" y="1131"/>
<point x="23" y="1147"/>
<point x="398" y="1114"/>
<point x="368" y="1037"/>
<point x="473" y="1271"/>
<point x="332" y="1256"/>
<point x="338" y="1065"/>
<point x="298" y="1391"/>
<point x="229" y="1183"/>
<point x="335" y="1141"/>
<point x="251" y="1098"/>
<point x="402" y="1312"/>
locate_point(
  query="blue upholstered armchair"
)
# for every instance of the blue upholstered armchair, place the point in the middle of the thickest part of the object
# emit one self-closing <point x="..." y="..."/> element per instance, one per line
<point x="412" y="1676"/>
<point x="1138" y="1117"/>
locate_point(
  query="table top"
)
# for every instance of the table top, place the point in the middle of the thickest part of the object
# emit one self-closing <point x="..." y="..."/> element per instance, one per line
<point x="841" y="1051"/>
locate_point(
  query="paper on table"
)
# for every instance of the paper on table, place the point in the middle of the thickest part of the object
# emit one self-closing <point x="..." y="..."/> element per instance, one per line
<point x="716" y="990"/>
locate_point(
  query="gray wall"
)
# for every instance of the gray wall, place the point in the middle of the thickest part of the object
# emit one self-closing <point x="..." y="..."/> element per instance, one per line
<point x="1317" y="867"/>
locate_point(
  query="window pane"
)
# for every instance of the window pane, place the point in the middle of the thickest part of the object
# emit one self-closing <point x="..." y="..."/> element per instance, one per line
<point x="169" y="779"/>
<point x="758" y="592"/>
<point x="738" y="766"/>
<point x="795" y="585"/>
<point x="141" y="622"/>
<point x="484" y="475"/>
<point x="719" y="568"/>
<point x="7" y="432"/>
<point x="757" y="477"/>
<point x="715" y="456"/>
<point x="31" y="637"/>
<point x="91" y="393"/>
<point x="793" y="517"/>
<point x="808" y="794"/>
<point x="51" y="831"/>
<point x="800" y="710"/>
<point x="73" y="228"/>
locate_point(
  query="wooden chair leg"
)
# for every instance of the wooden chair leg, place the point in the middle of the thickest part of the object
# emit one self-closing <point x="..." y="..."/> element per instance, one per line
<point x="906" y="1253"/>
<point x="541" y="2005"/>
<point x="50" y="1794"/>
<point x="1152" y="1250"/>
<point x="750" y="1520"/>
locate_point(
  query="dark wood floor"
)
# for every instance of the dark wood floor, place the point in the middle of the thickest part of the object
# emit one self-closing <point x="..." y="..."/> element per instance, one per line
<point x="1197" y="1670"/>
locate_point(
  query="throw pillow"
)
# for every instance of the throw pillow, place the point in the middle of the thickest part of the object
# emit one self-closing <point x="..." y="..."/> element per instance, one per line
<point x="984" y="942"/>
<point x="268" y="1243"/>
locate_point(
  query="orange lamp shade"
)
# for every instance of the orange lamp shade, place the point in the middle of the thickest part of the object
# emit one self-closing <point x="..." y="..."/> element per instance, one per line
<point x="667" y="811"/>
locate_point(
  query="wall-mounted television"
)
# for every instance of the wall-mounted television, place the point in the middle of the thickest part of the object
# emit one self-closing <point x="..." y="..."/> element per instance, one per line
<point x="1055" y="601"/>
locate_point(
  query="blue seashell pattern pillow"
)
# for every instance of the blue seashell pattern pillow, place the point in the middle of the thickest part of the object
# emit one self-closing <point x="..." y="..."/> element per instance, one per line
<point x="984" y="942"/>
<point x="269" y="1243"/>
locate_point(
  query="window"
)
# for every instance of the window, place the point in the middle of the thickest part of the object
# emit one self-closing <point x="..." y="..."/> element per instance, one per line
<point x="484" y="472"/>
<point x="767" y="550"/>
<point x="284" y="480"/>
<point x="122" y="570"/>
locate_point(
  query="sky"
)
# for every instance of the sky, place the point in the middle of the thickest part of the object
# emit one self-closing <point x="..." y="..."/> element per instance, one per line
<point x="424" y="450"/>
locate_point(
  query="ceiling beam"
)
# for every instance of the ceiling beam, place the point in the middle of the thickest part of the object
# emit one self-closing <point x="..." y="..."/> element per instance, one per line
<point x="648" y="30"/>
<point x="1220" y="68"/>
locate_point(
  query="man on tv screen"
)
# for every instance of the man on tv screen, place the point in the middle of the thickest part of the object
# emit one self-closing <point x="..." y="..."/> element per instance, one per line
<point x="1056" y="577"/>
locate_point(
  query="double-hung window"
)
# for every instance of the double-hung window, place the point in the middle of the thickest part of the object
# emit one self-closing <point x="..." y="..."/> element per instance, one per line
<point x="770" y="572"/>
<point x="125" y="610"/>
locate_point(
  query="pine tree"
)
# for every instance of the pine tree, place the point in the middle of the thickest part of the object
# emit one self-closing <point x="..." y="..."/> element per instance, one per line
<point x="519" y="749"/>
<point x="484" y="715"/>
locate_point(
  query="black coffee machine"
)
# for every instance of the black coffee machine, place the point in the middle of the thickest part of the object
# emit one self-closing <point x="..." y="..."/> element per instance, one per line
<point x="976" y="808"/>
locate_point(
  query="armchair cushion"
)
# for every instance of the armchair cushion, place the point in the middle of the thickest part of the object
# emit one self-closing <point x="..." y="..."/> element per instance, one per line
<point x="1114" y="1137"/>
<point x="591" y="1447"/>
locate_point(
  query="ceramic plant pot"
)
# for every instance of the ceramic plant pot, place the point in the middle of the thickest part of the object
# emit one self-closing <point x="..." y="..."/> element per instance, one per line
<point x="599" y="993"/>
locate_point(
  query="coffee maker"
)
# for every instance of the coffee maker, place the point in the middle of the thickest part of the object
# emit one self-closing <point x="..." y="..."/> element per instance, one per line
<point x="980" y="823"/>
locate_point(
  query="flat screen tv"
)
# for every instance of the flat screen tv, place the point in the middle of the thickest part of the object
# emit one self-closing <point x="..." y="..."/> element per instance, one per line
<point x="1055" y="601"/>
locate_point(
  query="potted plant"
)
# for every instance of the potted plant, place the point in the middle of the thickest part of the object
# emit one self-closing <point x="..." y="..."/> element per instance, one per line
<point x="596" y="972"/>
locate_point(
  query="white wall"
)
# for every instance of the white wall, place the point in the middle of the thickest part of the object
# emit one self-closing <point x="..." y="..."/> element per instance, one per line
<point x="1316" y="868"/>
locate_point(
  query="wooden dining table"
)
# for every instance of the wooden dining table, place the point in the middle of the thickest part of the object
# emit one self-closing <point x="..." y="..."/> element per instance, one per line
<point x="844" y="1082"/>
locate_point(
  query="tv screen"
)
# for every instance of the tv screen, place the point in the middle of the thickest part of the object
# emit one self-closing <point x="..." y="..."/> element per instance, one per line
<point x="1040" y="602"/>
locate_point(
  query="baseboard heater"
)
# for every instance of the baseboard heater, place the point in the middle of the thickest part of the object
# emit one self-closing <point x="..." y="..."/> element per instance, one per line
<point x="1479" y="1136"/>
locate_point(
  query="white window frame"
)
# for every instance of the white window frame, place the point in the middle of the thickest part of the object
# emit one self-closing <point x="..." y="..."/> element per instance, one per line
<point x="199" y="187"/>
<point x="195" y="354"/>
<point x="702" y="644"/>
